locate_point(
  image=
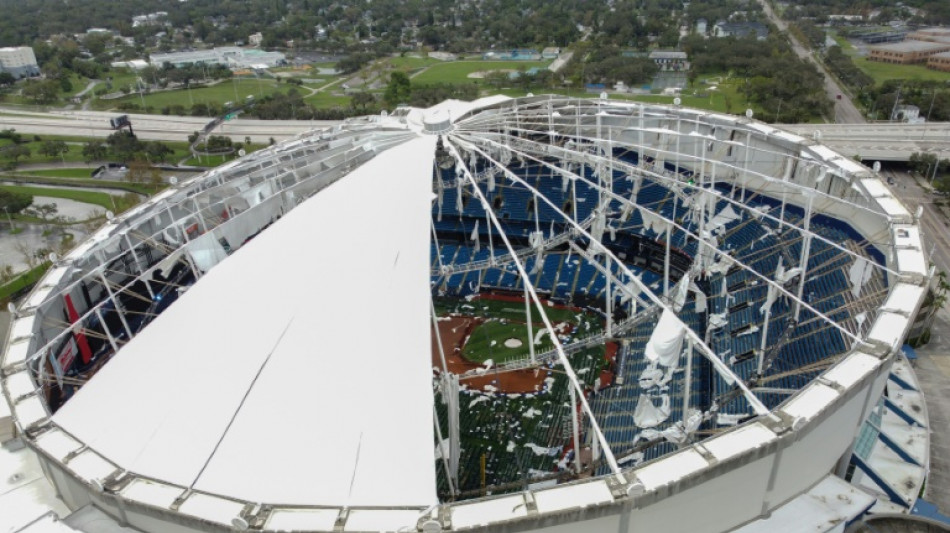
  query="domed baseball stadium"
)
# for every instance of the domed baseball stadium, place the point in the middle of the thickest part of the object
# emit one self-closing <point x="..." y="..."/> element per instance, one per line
<point x="543" y="313"/>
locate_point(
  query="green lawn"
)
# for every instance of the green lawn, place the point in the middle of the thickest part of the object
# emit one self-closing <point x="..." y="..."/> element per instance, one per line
<point x="412" y="63"/>
<point x="236" y="90"/>
<point x="458" y="71"/>
<point x="210" y="160"/>
<point x="61" y="172"/>
<point x="21" y="282"/>
<point x="78" y="82"/>
<point x="101" y="199"/>
<point x="74" y="155"/>
<point x="120" y="78"/>
<point x="323" y="100"/>
<point x="882" y="72"/>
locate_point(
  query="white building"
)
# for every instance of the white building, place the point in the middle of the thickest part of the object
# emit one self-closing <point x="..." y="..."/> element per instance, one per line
<point x="157" y="17"/>
<point x="19" y="61"/>
<point x="229" y="56"/>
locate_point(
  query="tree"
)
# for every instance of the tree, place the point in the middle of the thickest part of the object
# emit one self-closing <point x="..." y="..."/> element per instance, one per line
<point x="158" y="151"/>
<point x="28" y="253"/>
<point x="54" y="148"/>
<point x="94" y="151"/>
<point x="14" y="202"/>
<point x="142" y="172"/>
<point x="363" y="102"/>
<point x="123" y="145"/>
<point x="17" y="151"/>
<point x="941" y="180"/>
<point x="6" y="79"/>
<point x="46" y="212"/>
<point x="497" y="78"/>
<point x="41" y="91"/>
<point x="922" y="162"/>
<point x="398" y="90"/>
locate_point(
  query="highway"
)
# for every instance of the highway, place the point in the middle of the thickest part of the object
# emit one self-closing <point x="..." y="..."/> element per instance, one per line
<point x="884" y="141"/>
<point x="151" y="127"/>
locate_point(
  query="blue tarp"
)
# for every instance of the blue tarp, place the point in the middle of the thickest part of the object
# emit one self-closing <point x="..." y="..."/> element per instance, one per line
<point x="928" y="510"/>
<point x="909" y="352"/>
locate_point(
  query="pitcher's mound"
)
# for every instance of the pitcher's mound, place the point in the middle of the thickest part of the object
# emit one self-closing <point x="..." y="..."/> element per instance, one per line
<point x="513" y="343"/>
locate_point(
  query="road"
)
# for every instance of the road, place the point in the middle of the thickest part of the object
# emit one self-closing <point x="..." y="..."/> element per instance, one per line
<point x="884" y="141"/>
<point x="845" y="110"/>
<point x="151" y="127"/>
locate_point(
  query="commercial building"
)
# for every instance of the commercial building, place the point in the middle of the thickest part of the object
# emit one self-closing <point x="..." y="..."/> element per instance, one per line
<point x="513" y="55"/>
<point x="229" y="56"/>
<point x="935" y="35"/>
<point x="740" y="29"/>
<point x="670" y="60"/>
<point x="907" y="52"/>
<point x="939" y="61"/>
<point x="19" y="61"/>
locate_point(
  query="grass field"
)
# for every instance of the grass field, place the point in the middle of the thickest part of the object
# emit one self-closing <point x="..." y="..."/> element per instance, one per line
<point x="412" y="63"/>
<point x="101" y="199"/>
<point x="21" y="282"/>
<point x="236" y="90"/>
<point x="84" y="173"/>
<point x="507" y="320"/>
<point x="882" y="72"/>
<point x="120" y="78"/>
<point x="324" y="100"/>
<point x="458" y="71"/>
<point x="74" y="155"/>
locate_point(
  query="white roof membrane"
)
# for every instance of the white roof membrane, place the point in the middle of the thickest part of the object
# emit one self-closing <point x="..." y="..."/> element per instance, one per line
<point x="297" y="370"/>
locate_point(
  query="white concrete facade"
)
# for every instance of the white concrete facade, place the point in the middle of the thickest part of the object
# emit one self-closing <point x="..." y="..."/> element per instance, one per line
<point x="19" y="61"/>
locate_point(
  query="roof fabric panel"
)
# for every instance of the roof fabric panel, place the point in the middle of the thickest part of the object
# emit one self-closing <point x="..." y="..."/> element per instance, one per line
<point x="298" y="370"/>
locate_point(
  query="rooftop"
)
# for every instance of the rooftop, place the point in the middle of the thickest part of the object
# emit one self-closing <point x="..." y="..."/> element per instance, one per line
<point x="912" y="46"/>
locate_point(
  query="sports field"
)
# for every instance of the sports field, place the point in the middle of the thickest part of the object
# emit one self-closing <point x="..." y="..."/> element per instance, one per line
<point x="458" y="71"/>
<point x="498" y="329"/>
<point x="235" y="90"/>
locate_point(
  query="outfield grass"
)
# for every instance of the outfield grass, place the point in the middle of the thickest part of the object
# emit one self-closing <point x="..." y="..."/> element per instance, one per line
<point x="458" y="71"/>
<point x="101" y="199"/>
<point x="507" y="320"/>
<point x="488" y="342"/>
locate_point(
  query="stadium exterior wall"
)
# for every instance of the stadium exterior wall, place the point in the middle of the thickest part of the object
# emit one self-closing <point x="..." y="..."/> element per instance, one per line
<point x="705" y="501"/>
